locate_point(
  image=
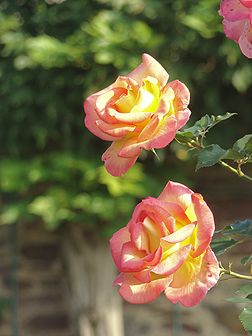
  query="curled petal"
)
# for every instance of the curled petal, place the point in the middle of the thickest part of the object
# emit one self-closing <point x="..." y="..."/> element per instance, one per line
<point x="164" y="134"/>
<point x="129" y="118"/>
<point x="205" y="224"/>
<point x="149" y="67"/>
<point x="233" y="10"/>
<point x="136" y="292"/>
<point x="170" y="264"/>
<point x="115" y="164"/>
<point x="233" y="30"/>
<point x="155" y="257"/>
<point x="167" y="212"/>
<point x="143" y="276"/>
<point x="150" y="129"/>
<point x="117" y="241"/>
<point x="91" y="119"/>
<point x="245" y="41"/>
<point x="155" y="211"/>
<point x="132" y="260"/>
<point x="180" y="235"/>
<point x="140" y="237"/>
<point x="176" y="193"/>
<point x="180" y="102"/>
<point x="164" y="131"/>
<point x="116" y="130"/>
<point x="247" y="3"/>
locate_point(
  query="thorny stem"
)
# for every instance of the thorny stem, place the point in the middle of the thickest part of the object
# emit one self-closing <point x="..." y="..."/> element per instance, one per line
<point x="234" y="274"/>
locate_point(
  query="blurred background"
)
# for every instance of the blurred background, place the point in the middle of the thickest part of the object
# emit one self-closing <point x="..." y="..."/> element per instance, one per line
<point x="58" y="205"/>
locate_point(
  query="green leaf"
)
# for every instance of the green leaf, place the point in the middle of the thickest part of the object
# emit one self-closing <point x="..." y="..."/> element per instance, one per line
<point x="209" y="156"/>
<point x="244" y="145"/>
<point x="246" y="319"/>
<point x="201" y="127"/>
<point x="242" y="228"/>
<point x="246" y="259"/>
<point x="245" y="290"/>
<point x="184" y="137"/>
<point x="245" y="293"/>
<point x="242" y="149"/>
<point x="221" y="245"/>
<point x="232" y="154"/>
<point x="239" y="300"/>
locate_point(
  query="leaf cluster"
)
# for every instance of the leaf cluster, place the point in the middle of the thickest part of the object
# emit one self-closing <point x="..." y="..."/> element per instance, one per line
<point x="209" y="155"/>
<point x="244" y="295"/>
<point x="231" y="235"/>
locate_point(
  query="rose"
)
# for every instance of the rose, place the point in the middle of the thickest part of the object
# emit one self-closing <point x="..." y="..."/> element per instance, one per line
<point x="165" y="247"/>
<point x="138" y="111"/>
<point x="238" y="23"/>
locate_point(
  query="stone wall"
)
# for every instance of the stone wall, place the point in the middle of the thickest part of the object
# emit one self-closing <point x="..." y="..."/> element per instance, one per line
<point x="41" y="306"/>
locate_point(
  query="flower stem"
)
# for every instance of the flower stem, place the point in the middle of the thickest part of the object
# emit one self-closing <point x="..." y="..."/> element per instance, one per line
<point x="234" y="274"/>
<point x="238" y="172"/>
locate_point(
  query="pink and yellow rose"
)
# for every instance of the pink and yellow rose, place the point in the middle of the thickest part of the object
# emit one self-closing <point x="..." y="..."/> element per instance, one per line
<point x="138" y="111"/>
<point x="165" y="248"/>
<point x="238" y="23"/>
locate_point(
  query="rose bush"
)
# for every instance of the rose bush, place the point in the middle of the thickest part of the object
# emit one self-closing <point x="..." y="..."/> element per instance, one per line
<point x="238" y="23"/>
<point x="138" y="111"/>
<point x="165" y="247"/>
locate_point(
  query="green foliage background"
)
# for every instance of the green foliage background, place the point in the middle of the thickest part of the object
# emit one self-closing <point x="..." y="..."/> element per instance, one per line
<point x="53" y="55"/>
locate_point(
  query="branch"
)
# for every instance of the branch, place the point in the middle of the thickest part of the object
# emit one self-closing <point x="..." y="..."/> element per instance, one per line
<point x="238" y="171"/>
<point x="199" y="145"/>
<point x="234" y="274"/>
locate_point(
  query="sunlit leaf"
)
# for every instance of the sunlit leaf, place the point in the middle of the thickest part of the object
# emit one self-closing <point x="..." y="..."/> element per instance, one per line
<point x="243" y="228"/>
<point x="245" y="290"/>
<point x="244" y="145"/>
<point x="209" y="156"/>
<point x="245" y="260"/>
<point x="246" y="319"/>
<point x="202" y="126"/>
<point x="221" y="245"/>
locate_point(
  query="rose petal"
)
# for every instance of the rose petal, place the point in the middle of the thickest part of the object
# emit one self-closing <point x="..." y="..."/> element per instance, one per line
<point x="139" y="236"/>
<point x="150" y="129"/>
<point x="143" y="276"/>
<point x="193" y="279"/>
<point x="115" y="164"/>
<point x="180" y="235"/>
<point x="116" y="130"/>
<point x="132" y="260"/>
<point x="92" y="117"/>
<point x="153" y="233"/>
<point x="116" y="243"/>
<point x="247" y="3"/>
<point x="173" y="191"/>
<point x="143" y="293"/>
<point x="205" y="224"/>
<point x="166" y="209"/>
<point x="180" y="102"/>
<point x="156" y="212"/>
<point x="129" y="118"/>
<point x="233" y="10"/>
<point x="170" y="264"/>
<point x="165" y="132"/>
<point x="245" y="42"/>
<point x="233" y="30"/>
<point x="149" y="67"/>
